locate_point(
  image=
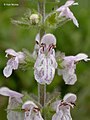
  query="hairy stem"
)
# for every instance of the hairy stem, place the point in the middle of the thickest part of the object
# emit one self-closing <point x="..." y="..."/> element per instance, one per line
<point x="42" y="88"/>
<point x="41" y="10"/>
<point x="42" y="94"/>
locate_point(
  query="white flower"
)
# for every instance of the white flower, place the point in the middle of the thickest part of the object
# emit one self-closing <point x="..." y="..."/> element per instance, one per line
<point x="65" y="11"/>
<point x="63" y="107"/>
<point x="32" y="112"/>
<point x="13" y="62"/>
<point x="46" y="64"/>
<point x="68" y="67"/>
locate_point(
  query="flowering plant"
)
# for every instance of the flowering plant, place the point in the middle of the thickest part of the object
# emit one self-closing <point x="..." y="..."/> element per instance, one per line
<point x="45" y="62"/>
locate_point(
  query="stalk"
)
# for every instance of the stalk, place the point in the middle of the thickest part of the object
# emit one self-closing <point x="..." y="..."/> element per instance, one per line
<point x="42" y="88"/>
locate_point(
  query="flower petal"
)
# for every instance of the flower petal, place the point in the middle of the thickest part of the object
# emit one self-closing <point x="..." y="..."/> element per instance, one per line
<point x="11" y="113"/>
<point x="38" y="116"/>
<point x="57" y="116"/>
<point x="28" y="105"/>
<point x="55" y="104"/>
<point x="10" y="52"/>
<point x="37" y="39"/>
<point x="53" y="61"/>
<point x="69" y="58"/>
<point x="81" y="56"/>
<point x="44" y="72"/>
<point x="20" y="56"/>
<point x="70" y="79"/>
<point x="48" y="39"/>
<point x="70" y="97"/>
<point x="7" y="71"/>
<point x="7" y="92"/>
<point x="13" y="62"/>
<point x="70" y="15"/>
<point x="60" y="9"/>
<point x="69" y="3"/>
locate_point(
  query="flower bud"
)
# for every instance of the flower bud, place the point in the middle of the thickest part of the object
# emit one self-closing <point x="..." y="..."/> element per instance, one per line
<point x="34" y="19"/>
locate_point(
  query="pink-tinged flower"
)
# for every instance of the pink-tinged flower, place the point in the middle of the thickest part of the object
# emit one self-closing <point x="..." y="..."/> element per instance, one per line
<point x="46" y="64"/>
<point x="63" y="107"/>
<point x="65" y="11"/>
<point x="32" y="112"/>
<point x="68" y="67"/>
<point x="13" y="62"/>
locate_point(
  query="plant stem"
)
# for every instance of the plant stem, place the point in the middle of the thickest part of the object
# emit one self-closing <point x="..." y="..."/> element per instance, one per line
<point x="42" y="88"/>
<point x="42" y="94"/>
<point x="41" y="10"/>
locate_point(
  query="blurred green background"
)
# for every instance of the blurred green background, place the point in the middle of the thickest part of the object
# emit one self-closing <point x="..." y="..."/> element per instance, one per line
<point x="70" y="40"/>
